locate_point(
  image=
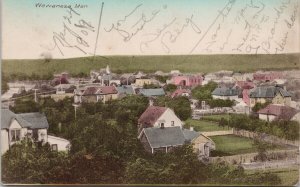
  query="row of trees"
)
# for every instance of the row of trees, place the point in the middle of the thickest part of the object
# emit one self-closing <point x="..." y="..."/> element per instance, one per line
<point x="281" y="128"/>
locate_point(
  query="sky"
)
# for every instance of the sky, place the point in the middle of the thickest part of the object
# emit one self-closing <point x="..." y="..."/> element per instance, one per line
<point x="34" y="29"/>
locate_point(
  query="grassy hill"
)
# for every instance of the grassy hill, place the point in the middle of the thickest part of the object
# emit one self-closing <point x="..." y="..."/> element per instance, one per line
<point x="192" y="63"/>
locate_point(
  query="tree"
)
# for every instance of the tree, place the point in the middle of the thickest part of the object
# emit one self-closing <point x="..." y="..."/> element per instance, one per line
<point x="28" y="162"/>
<point x="259" y="106"/>
<point x="170" y="87"/>
<point x="203" y="93"/>
<point x="180" y="105"/>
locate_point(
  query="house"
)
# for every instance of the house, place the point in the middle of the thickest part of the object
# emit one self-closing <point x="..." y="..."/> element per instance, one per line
<point x="15" y="127"/>
<point x="155" y="116"/>
<point x="274" y="94"/>
<point x="277" y="112"/>
<point x="63" y="91"/>
<point x="241" y="107"/>
<point x="267" y="76"/>
<point x="225" y="93"/>
<point x="140" y="82"/>
<point x="181" y="92"/>
<point x="187" y="80"/>
<point x="152" y="92"/>
<point x="125" y="90"/>
<point x="95" y="94"/>
<point x="164" y="139"/>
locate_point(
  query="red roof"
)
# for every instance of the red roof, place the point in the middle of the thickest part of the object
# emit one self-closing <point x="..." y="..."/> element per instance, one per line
<point x="245" y="84"/>
<point x="280" y="111"/>
<point x="151" y="115"/>
<point x="93" y="90"/>
<point x="179" y="92"/>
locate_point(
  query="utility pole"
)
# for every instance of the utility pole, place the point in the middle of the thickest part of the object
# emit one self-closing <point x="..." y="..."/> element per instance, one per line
<point x="75" y="107"/>
<point x="35" y="96"/>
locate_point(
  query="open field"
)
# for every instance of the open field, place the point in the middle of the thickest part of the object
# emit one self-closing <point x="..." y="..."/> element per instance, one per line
<point x="288" y="176"/>
<point x="216" y="117"/>
<point x="192" y="63"/>
<point x="233" y="145"/>
<point x="204" y="126"/>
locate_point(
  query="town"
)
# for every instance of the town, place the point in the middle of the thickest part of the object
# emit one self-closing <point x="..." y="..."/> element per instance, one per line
<point x="144" y="127"/>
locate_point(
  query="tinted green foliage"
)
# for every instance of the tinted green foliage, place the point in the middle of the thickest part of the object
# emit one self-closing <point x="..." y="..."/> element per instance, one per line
<point x="180" y="105"/>
<point x="170" y="88"/>
<point x="203" y="93"/>
<point x="259" y="106"/>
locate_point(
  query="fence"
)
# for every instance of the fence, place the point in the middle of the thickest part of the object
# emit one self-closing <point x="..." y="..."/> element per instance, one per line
<point x="265" y="137"/>
<point x="250" y="157"/>
<point x="217" y="133"/>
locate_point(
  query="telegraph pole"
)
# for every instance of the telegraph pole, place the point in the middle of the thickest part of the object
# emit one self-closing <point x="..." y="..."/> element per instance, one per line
<point x="35" y="96"/>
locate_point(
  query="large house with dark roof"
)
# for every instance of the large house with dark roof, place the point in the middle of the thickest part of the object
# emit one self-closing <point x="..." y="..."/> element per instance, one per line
<point x="15" y="127"/>
<point x="224" y="93"/>
<point x="155" y="116"/>
<point x="95" y="94"/>
<point x="274" y="94"/>
<point x="277" y="112"/>
<point x="165" y="139"/>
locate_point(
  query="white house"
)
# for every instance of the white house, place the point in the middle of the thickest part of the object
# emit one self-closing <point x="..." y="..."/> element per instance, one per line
<point x="277" y="112"/>
<point x="155" y="116"/>
<point x="15" y="127"/>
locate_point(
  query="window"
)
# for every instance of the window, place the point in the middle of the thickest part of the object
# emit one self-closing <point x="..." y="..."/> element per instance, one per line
<point x="172" y="123"/>
<point x="15" y="135"/>
<point x="54" y="147"/>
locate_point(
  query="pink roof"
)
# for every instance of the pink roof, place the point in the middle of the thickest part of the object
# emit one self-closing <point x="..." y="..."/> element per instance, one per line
<point x="179" y="92"/>
<point x="280" y="111"/>
<point x="100" y="90"/>
<point x="245" y="84"/>
<point x="151" y="115"/>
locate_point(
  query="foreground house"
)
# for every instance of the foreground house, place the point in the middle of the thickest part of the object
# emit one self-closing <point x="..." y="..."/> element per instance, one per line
<point x="155" y="116"/>
<point x="95" y="94"/>
<point x="165" y="139"/>
<point x="277" y="112"/>
<point x="15" y="127"/>
<point x="274" y="94"/>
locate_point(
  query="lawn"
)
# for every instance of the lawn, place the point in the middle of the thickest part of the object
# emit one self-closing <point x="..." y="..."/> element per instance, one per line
<point x="204" y="126"/>
<point x="216" y="117"/>
<point x="184" y="63"/>
<point x="232" y="145"/>
<point x="288" y="176"/>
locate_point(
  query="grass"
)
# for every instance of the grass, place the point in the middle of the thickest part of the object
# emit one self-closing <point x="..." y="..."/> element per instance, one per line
<point x="232" y="145"/>
<point x="288" y="176"/>
<point x="184" y="63"/>
<point x="216" y="117"/>
<point x="204" y="126"/>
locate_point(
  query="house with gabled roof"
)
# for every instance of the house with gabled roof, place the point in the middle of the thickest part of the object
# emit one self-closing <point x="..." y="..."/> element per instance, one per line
<point x="277" y="112"/>
<point x="15" y="127"/>
<point x="151" y="92"/>
<point x="156" y="116"/>
<point x="274" y="94"/>
<point x="95" y="94"/>
<point x="225" y="92"/>
<point x="164" y="139"/>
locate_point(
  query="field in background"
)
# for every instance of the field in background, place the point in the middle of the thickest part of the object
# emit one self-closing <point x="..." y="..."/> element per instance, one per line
<point x="121" y="64"/>
<point x="204" y="126"/>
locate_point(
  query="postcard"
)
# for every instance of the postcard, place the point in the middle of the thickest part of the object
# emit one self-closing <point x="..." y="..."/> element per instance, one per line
<point x="140" y="92"/>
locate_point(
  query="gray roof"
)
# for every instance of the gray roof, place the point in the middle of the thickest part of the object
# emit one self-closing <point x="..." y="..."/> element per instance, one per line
<point x="169" y="136"/>
<point x="26" y="120"/>
<point x="152" y="92"/>
<point x="190" y="135"/>
<point x="225" y="91"/>
<point x="268" y="92"/>
<point x="125" y="89"/>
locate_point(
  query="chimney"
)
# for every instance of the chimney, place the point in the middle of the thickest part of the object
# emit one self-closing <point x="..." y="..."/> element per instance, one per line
<point x="150" y="102"/>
